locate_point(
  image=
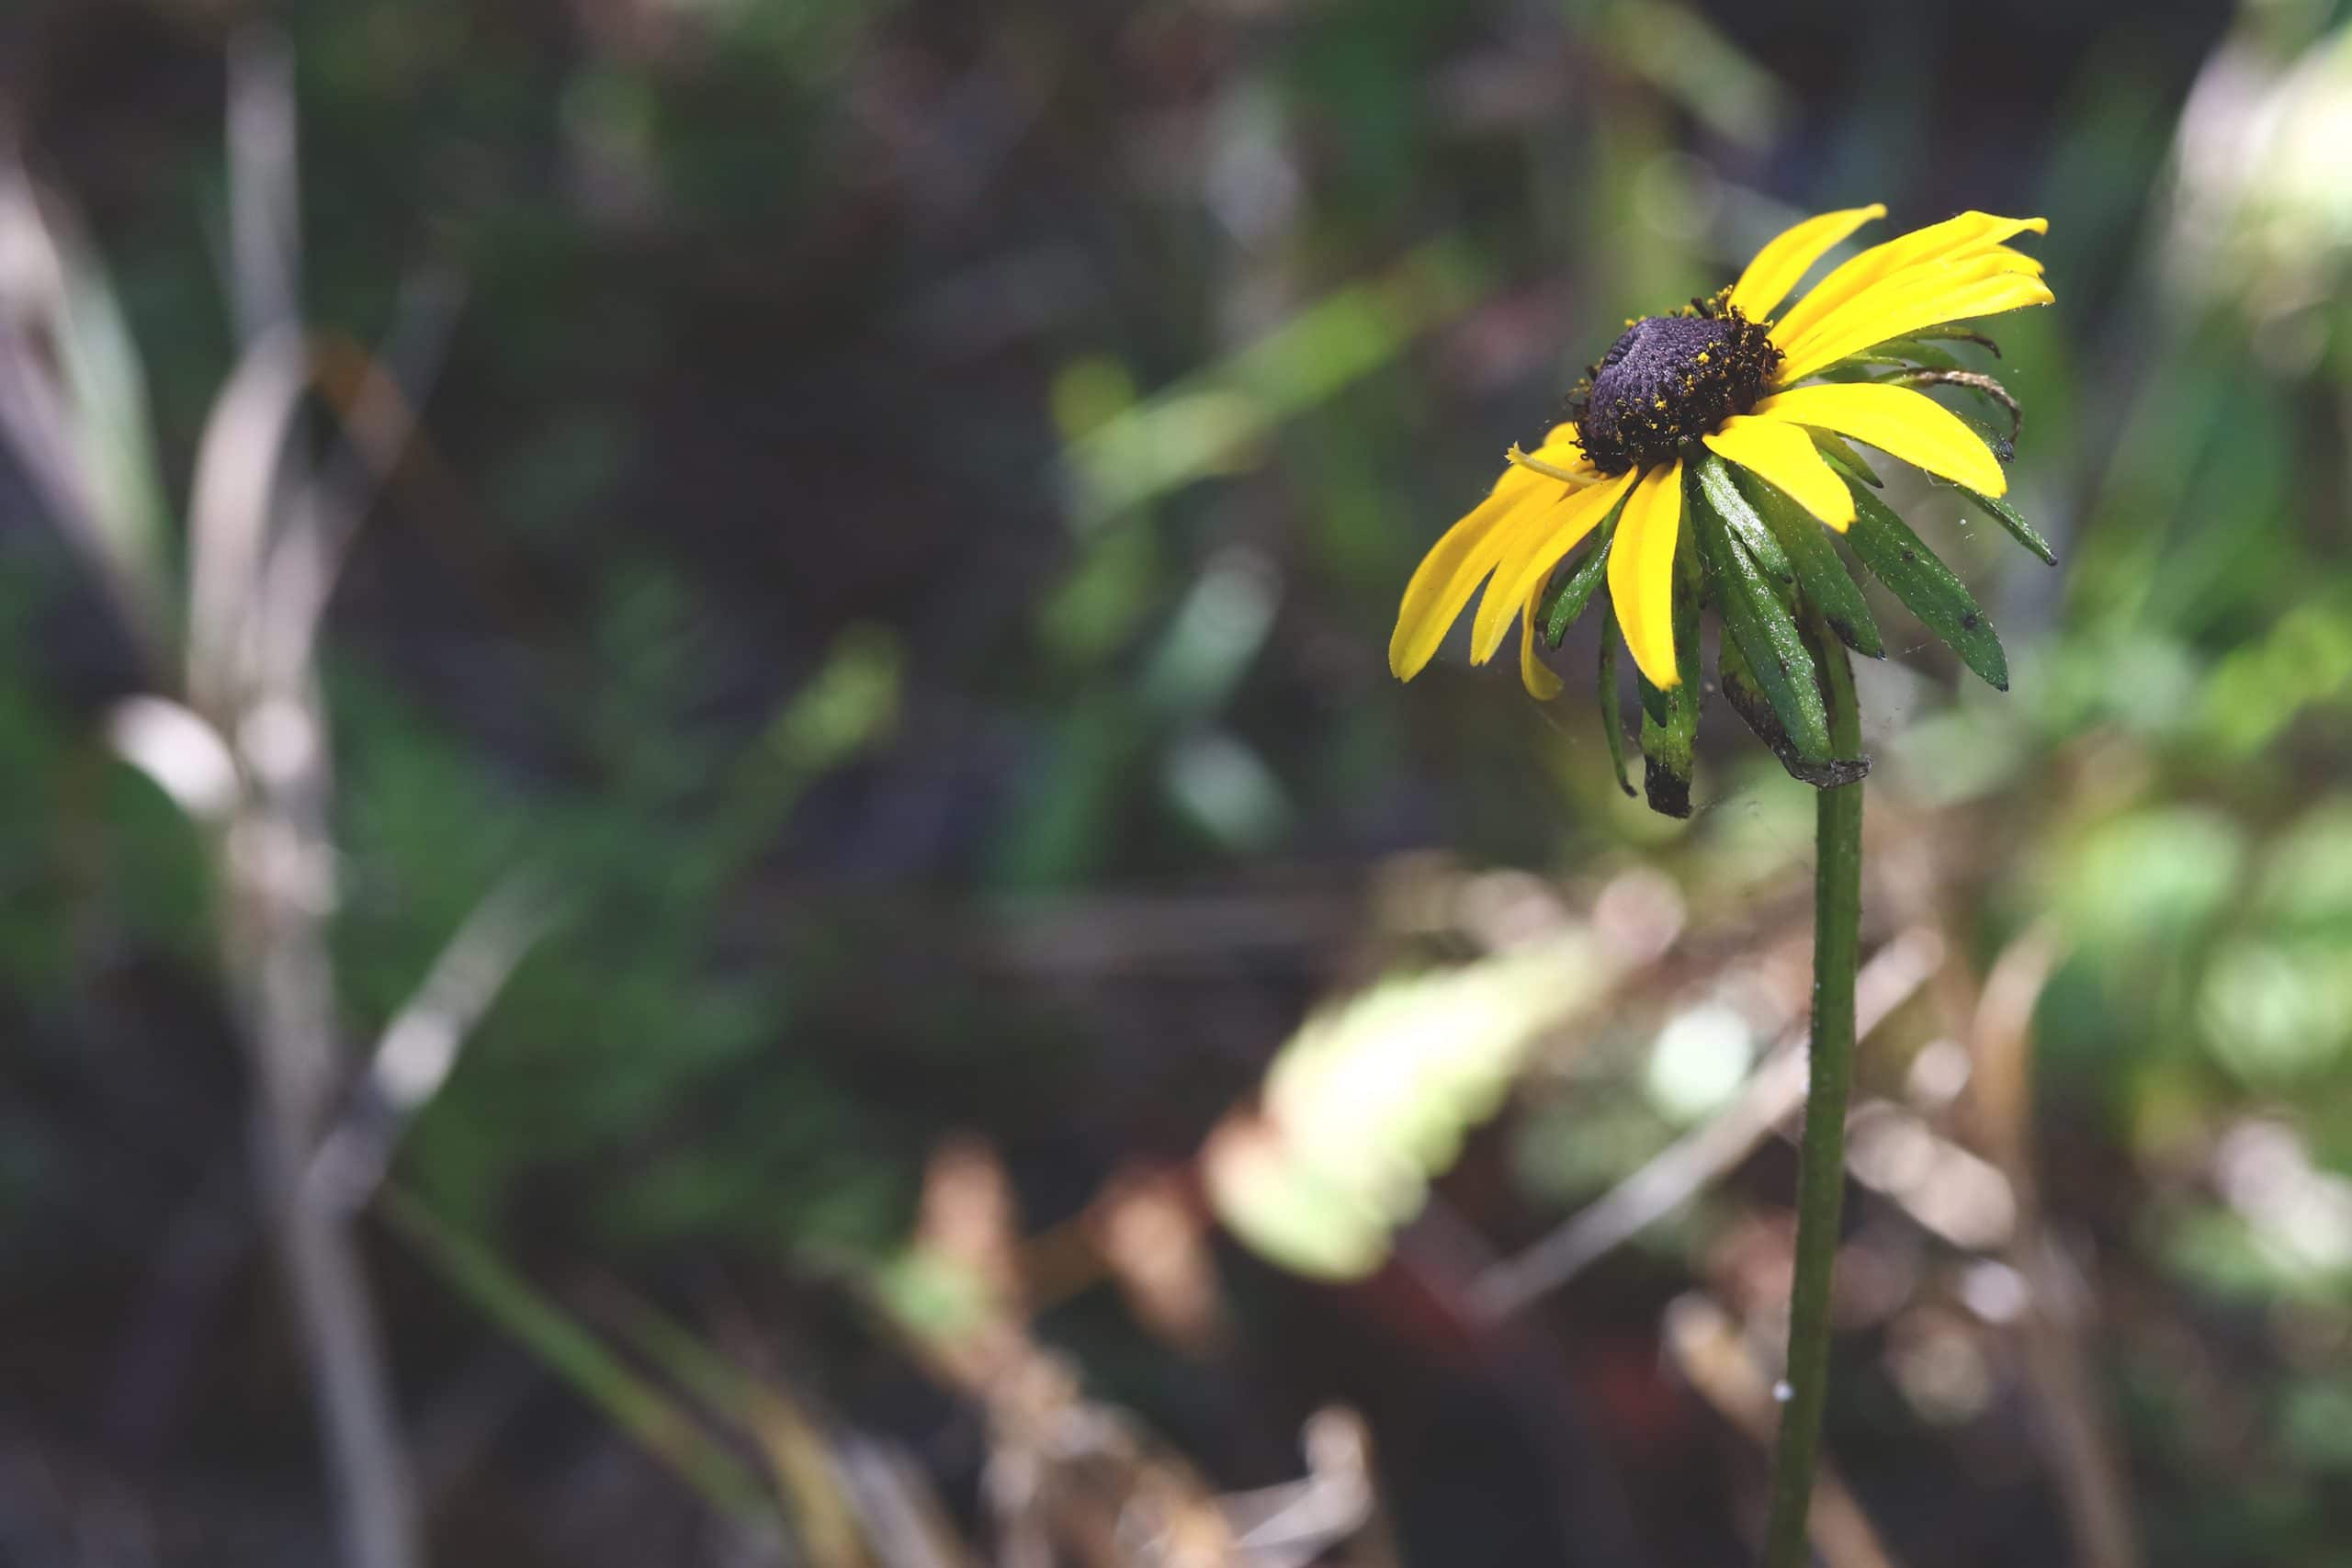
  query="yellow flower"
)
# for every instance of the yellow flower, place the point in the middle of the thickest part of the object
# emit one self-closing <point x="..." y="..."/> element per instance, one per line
<point x="1725" y="373"/>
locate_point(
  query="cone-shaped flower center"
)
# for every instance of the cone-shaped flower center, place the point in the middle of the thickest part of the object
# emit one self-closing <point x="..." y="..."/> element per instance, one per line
<point x="1670" y="380"/>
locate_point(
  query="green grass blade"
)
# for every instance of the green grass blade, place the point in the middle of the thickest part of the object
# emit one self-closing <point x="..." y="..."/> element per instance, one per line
<point x="580" y="1359"/>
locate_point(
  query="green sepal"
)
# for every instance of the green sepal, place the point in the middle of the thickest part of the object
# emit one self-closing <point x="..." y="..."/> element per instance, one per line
<point x="1745" y="695"/>
<point x="1898" y="353"/>
<point x="1755" y="615"/>
<point x="1834" y="596"/>
<point x="1572" y="591"/>
<point x="1950" y="333"/>
<point x="1670" y="718"/>
<point x="1612" y="703"/>
<point x="2002" y="443"/>
<point x="1896" y="557"/>
<point x="1843" y="457"/>
<point x="2008" y="517"/>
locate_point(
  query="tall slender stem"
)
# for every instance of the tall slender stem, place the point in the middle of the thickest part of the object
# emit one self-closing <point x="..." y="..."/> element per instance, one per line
<point x="1821" y="1154"/>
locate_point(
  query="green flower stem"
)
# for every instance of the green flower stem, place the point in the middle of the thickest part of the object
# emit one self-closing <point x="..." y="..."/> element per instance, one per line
<point x="1821" y="1154"/>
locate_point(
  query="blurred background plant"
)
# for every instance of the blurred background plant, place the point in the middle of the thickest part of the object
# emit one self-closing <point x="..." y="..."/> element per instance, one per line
<point x="793" y="745"/>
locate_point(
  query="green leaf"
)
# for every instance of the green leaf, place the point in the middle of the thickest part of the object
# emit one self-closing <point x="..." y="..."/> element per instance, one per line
<point x="1745" y="695"/>
<point x="1670" y="719"/>
<point x="1845" y="458"/>
<point x="1571" y="593"/>
<point x="2008" y="517"/>
<point x="1757" y="541"/>
<point x="1754" y="615"/>
<point x="2003" y="442"/>
<point x="1612" y="714"/>
<point x="1896" y="557"/>
<point x="1836" y="597"/>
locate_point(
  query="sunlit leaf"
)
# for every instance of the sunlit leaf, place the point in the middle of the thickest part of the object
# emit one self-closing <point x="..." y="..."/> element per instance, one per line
<point x="1773" y="653"/>
<point x="1573" y="592"/>
<point x="1375" y="1095"/>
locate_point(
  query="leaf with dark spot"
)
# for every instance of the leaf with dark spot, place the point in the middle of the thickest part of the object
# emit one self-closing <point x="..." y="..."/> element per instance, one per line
<point x="1821" y="573"/>
<point x="1896" y="557"/>
<point x="1745" y="695"/>
<point x="2008" y="516"/>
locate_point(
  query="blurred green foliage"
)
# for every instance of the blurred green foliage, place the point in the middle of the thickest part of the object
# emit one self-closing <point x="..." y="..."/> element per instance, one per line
<point x="903" y="468"/>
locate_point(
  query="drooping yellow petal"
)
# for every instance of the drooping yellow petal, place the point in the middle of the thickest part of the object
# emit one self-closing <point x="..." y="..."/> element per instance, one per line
<point x="1789" y="255"/>
<point x="1641" y="572"/>
<point x="1897" y="421"/>
<point x="1534" y="673"/>
<point x="1513" y="547"/>
<point x="1787" y="458"/>
<point x="1875" y="317"/>
<point x="1952" y="239"/>
<point x="1532" y="555"/>
<point x="1451" y="572"/>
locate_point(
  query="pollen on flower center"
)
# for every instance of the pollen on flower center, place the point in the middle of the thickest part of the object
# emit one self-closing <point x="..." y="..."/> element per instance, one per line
<point x="1670" y="379"/>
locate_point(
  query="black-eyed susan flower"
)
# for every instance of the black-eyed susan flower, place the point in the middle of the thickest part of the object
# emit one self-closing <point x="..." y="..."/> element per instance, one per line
<point x="1737" y="419"/>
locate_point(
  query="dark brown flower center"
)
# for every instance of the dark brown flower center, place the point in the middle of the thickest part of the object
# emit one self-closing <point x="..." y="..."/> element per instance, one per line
<point x="1670" y="379"/>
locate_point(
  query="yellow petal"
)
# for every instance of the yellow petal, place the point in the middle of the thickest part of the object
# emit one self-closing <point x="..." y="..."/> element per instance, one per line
<point x="1511" y="549"/>
<point x="1641" y="572"/>
<point x="1897" y="421"/>
<point x="1786" y="457"/>
<point x="1532" y="555"/>
<point x="1876" y="317"/>
<point x="1948" y="276"/>
<point x="1952" y="239"/>
<point x="1450" y="573"/>
<point x="1787" y="258"/>
<point x="1537" y="677"/>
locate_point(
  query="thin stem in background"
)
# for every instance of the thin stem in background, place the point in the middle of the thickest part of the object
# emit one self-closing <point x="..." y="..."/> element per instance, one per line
<point x="1821" y="1154"/>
